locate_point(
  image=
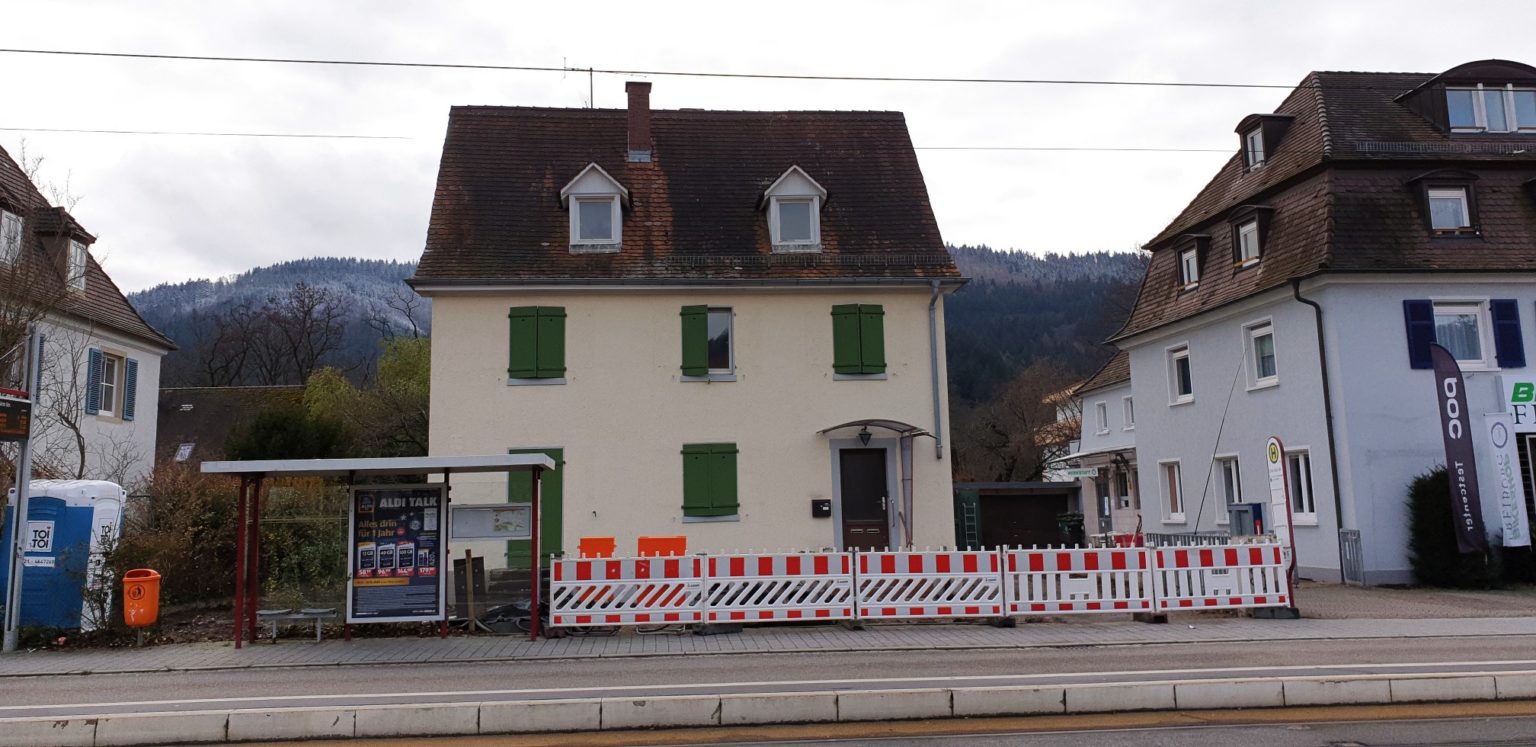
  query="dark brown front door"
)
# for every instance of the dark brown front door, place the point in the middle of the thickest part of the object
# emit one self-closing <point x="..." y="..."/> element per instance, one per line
<point x="865" y="496"/>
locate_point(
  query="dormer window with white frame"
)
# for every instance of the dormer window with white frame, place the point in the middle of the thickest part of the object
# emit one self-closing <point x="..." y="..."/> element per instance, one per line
<point x="1491" y="108"/>
<point x="10" y="237"/>
<point x="1189" y="268"/>
<point x="1253" y="148"/>
<point x="1248" y="243"/>
<point x="595" y="201"/>
<point x="794" y="203"/>
<point x="78" y="262"/>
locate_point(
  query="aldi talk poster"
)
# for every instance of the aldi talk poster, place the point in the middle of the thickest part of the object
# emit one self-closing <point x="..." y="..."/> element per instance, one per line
<point x="397" y="544"/>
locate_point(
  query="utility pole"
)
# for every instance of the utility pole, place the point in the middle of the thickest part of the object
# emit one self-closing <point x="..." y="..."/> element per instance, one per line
<point x="23" y="486"/>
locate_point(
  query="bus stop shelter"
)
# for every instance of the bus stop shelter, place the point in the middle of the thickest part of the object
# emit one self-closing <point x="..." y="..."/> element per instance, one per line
<point x="253" y="475"/>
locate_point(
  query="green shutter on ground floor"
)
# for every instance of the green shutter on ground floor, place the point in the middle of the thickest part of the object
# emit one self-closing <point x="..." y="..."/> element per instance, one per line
<point x="551" y="508"/>
<point x="695" y="340"/>
<point x="709" y="480"/>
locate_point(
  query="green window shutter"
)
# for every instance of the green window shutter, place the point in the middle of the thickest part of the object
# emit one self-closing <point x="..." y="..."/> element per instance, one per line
<point x="695" y="340"/>
<point x="696" y="472"/>
<point x="551" y="508"/>
<point x="846" y="356"/>
<point x="722" y="480"/>
<point x="522" y="333"/>
<point x="871" y="338"/>
<point x="551" y="343"/>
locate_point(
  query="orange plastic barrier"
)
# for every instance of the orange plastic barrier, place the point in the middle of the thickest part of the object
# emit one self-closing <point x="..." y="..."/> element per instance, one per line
<point x="596" y="547"/>
<point x="141" y="597"/>
<point x="650" y="547"/>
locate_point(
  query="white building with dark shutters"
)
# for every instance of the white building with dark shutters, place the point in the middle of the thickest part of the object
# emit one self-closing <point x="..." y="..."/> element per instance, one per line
<point x="1368" y="216"/>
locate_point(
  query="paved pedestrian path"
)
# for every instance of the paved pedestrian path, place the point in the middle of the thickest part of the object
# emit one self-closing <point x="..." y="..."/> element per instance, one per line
<point x="824" y="638"/>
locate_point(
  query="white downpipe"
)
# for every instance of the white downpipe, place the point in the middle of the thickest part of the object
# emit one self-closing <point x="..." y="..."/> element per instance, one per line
<point x="933" y="368"/>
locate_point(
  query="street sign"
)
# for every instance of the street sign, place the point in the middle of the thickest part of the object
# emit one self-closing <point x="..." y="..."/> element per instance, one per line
<point x="15" y="419"/>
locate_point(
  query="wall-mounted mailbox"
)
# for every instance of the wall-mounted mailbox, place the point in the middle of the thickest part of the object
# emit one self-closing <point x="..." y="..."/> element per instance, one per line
<point x="821" y="508"/>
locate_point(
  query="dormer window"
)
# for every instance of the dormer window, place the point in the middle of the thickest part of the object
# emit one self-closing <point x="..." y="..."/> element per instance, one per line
<point x="1448" y="209"/>
<point x="1248" y="242"/>
<point x="1483" y="108"/>
<point x="595" y="201"/>
<point x="10" y="237"/>
<point x="794" y="203"/>
<point x="1253" y="147"/>
<point x="78" y="263"/>
<point x="1189" y="268"/>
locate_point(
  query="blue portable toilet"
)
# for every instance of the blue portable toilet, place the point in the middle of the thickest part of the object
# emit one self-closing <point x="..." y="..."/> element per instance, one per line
<point x="70" y="523"/>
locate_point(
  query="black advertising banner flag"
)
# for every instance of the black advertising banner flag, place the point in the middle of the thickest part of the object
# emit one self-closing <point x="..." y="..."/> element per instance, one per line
<point x="1460" y="464"/>
<point x="397" y="543"/>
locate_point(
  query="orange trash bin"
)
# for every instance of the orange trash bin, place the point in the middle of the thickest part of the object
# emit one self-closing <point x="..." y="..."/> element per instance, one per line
<point x="141" y="597"/>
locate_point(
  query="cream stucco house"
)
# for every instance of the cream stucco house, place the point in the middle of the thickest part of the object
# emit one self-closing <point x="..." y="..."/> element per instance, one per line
<point x="726" y="326"/>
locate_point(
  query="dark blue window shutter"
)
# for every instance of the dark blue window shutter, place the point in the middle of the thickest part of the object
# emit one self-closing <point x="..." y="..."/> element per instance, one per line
<point x="93" y="382"/>
<point x="1420" y="319"/>
<point x="130" y="386"/>
<point x="1506" y="333"/>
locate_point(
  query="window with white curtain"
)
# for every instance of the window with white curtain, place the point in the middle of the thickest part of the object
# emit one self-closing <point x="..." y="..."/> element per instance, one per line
<point x="1460" y="327"/>
<point x="10" y="237"/>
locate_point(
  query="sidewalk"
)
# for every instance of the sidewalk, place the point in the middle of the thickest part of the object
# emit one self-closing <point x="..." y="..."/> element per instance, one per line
<point x="827" y="638"/>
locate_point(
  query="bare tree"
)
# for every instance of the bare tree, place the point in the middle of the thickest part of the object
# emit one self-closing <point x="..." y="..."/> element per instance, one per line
<point x="1016" y="434"/>
<point x="403" y="305"/>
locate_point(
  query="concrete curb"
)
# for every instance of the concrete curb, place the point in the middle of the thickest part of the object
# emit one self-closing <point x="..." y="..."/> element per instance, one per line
<point x="596" y="714"/>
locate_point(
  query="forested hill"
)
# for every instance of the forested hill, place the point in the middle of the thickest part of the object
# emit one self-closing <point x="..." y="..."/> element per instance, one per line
<point x="1018" y="309"/>
<point x="1022" y="308"/>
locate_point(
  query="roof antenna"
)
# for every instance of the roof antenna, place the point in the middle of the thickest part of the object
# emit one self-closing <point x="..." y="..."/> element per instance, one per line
<point x="591" y="96"/>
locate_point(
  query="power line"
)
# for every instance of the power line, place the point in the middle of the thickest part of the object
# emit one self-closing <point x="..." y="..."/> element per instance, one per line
<point x="305" y="135"/>
<point x="673" y="73"/>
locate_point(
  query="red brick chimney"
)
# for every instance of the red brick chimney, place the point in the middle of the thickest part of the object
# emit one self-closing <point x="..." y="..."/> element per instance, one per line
<point x="639" y="120"/>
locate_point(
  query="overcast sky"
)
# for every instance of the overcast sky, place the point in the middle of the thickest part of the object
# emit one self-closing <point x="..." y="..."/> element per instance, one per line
<point x="169" y="208"/>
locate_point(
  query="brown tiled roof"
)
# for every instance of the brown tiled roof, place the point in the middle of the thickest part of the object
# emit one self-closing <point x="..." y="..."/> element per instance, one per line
<point x="695" y="208"/>
<point x="1338" y="188"/>
<point x="206" y="416"/>
<point x="1116" y="370"/>
<point x="102" y="302"/>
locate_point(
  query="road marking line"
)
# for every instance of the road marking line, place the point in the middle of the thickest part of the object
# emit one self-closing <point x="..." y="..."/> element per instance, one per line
<point x="842" y="682"/>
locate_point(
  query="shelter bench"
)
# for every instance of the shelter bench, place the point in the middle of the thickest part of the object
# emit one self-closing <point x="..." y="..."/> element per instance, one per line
<point x="287" y="615"/>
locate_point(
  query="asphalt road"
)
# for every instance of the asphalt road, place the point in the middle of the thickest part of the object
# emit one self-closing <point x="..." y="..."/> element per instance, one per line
<point x="446" y="683"/>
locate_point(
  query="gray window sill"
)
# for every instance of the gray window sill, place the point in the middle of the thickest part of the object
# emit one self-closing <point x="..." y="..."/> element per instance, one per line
<point x="536" y="382"/>
<point x="859" y="377"/>
<point x="1178" y="402"/>
<point x="710" y="377"/>
<point x="797" y="248"/>
<point x="710" y="519"/>
<point x="1270" y="383"/>
<point x="603" y="248"/>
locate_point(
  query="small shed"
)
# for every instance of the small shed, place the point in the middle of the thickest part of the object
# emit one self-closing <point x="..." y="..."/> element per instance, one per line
<point x="994" y="514"/>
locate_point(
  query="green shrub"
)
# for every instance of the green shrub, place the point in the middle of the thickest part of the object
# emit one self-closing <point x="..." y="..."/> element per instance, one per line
<point x="1432" y="550"/>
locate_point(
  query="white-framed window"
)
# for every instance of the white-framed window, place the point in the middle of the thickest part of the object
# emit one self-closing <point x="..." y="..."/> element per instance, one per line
<point x="10" y="237"/>
<point x="1491" y="108"/>
<point x="1263" y="370"/>
<point x="1125" y="483"/>
<point x="722" y="354"/>
<point x="795" y="221"/>
<point x="1231" y="480"/>
<point x="594" y="200"/>
<point x="1253" y="147"/>
<point x="1464" y="329"/>
<point x="595" y="220"/>
<point x="1181" y="384"/>
<point x="1173" y="492"/>
<point x="1448" y="209"/>
<point x="77" y="264"/>
<point x="111" y="369"/>
<point x="1189" y="268"/>
<point x="1101" y="416"/>
<point x="1129" y="406"/>
<point x="1248" y="242"/>
<point x="1298" y="467"/>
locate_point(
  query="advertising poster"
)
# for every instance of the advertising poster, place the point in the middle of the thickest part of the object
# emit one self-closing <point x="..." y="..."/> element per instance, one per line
<point x="1505" y="482"/>
<point x="397" y="548"/>
<point x="1460" y="464"/>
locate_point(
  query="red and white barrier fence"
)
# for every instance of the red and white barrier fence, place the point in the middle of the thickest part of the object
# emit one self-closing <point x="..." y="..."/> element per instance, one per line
<point x="779" y="586"/>
<point x="962" y="583"/>
<point x="1078" y="580"/>
<point x="1221" y="577"/>
<point x="891" y="585"/>
<point x="626" y="591"/>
